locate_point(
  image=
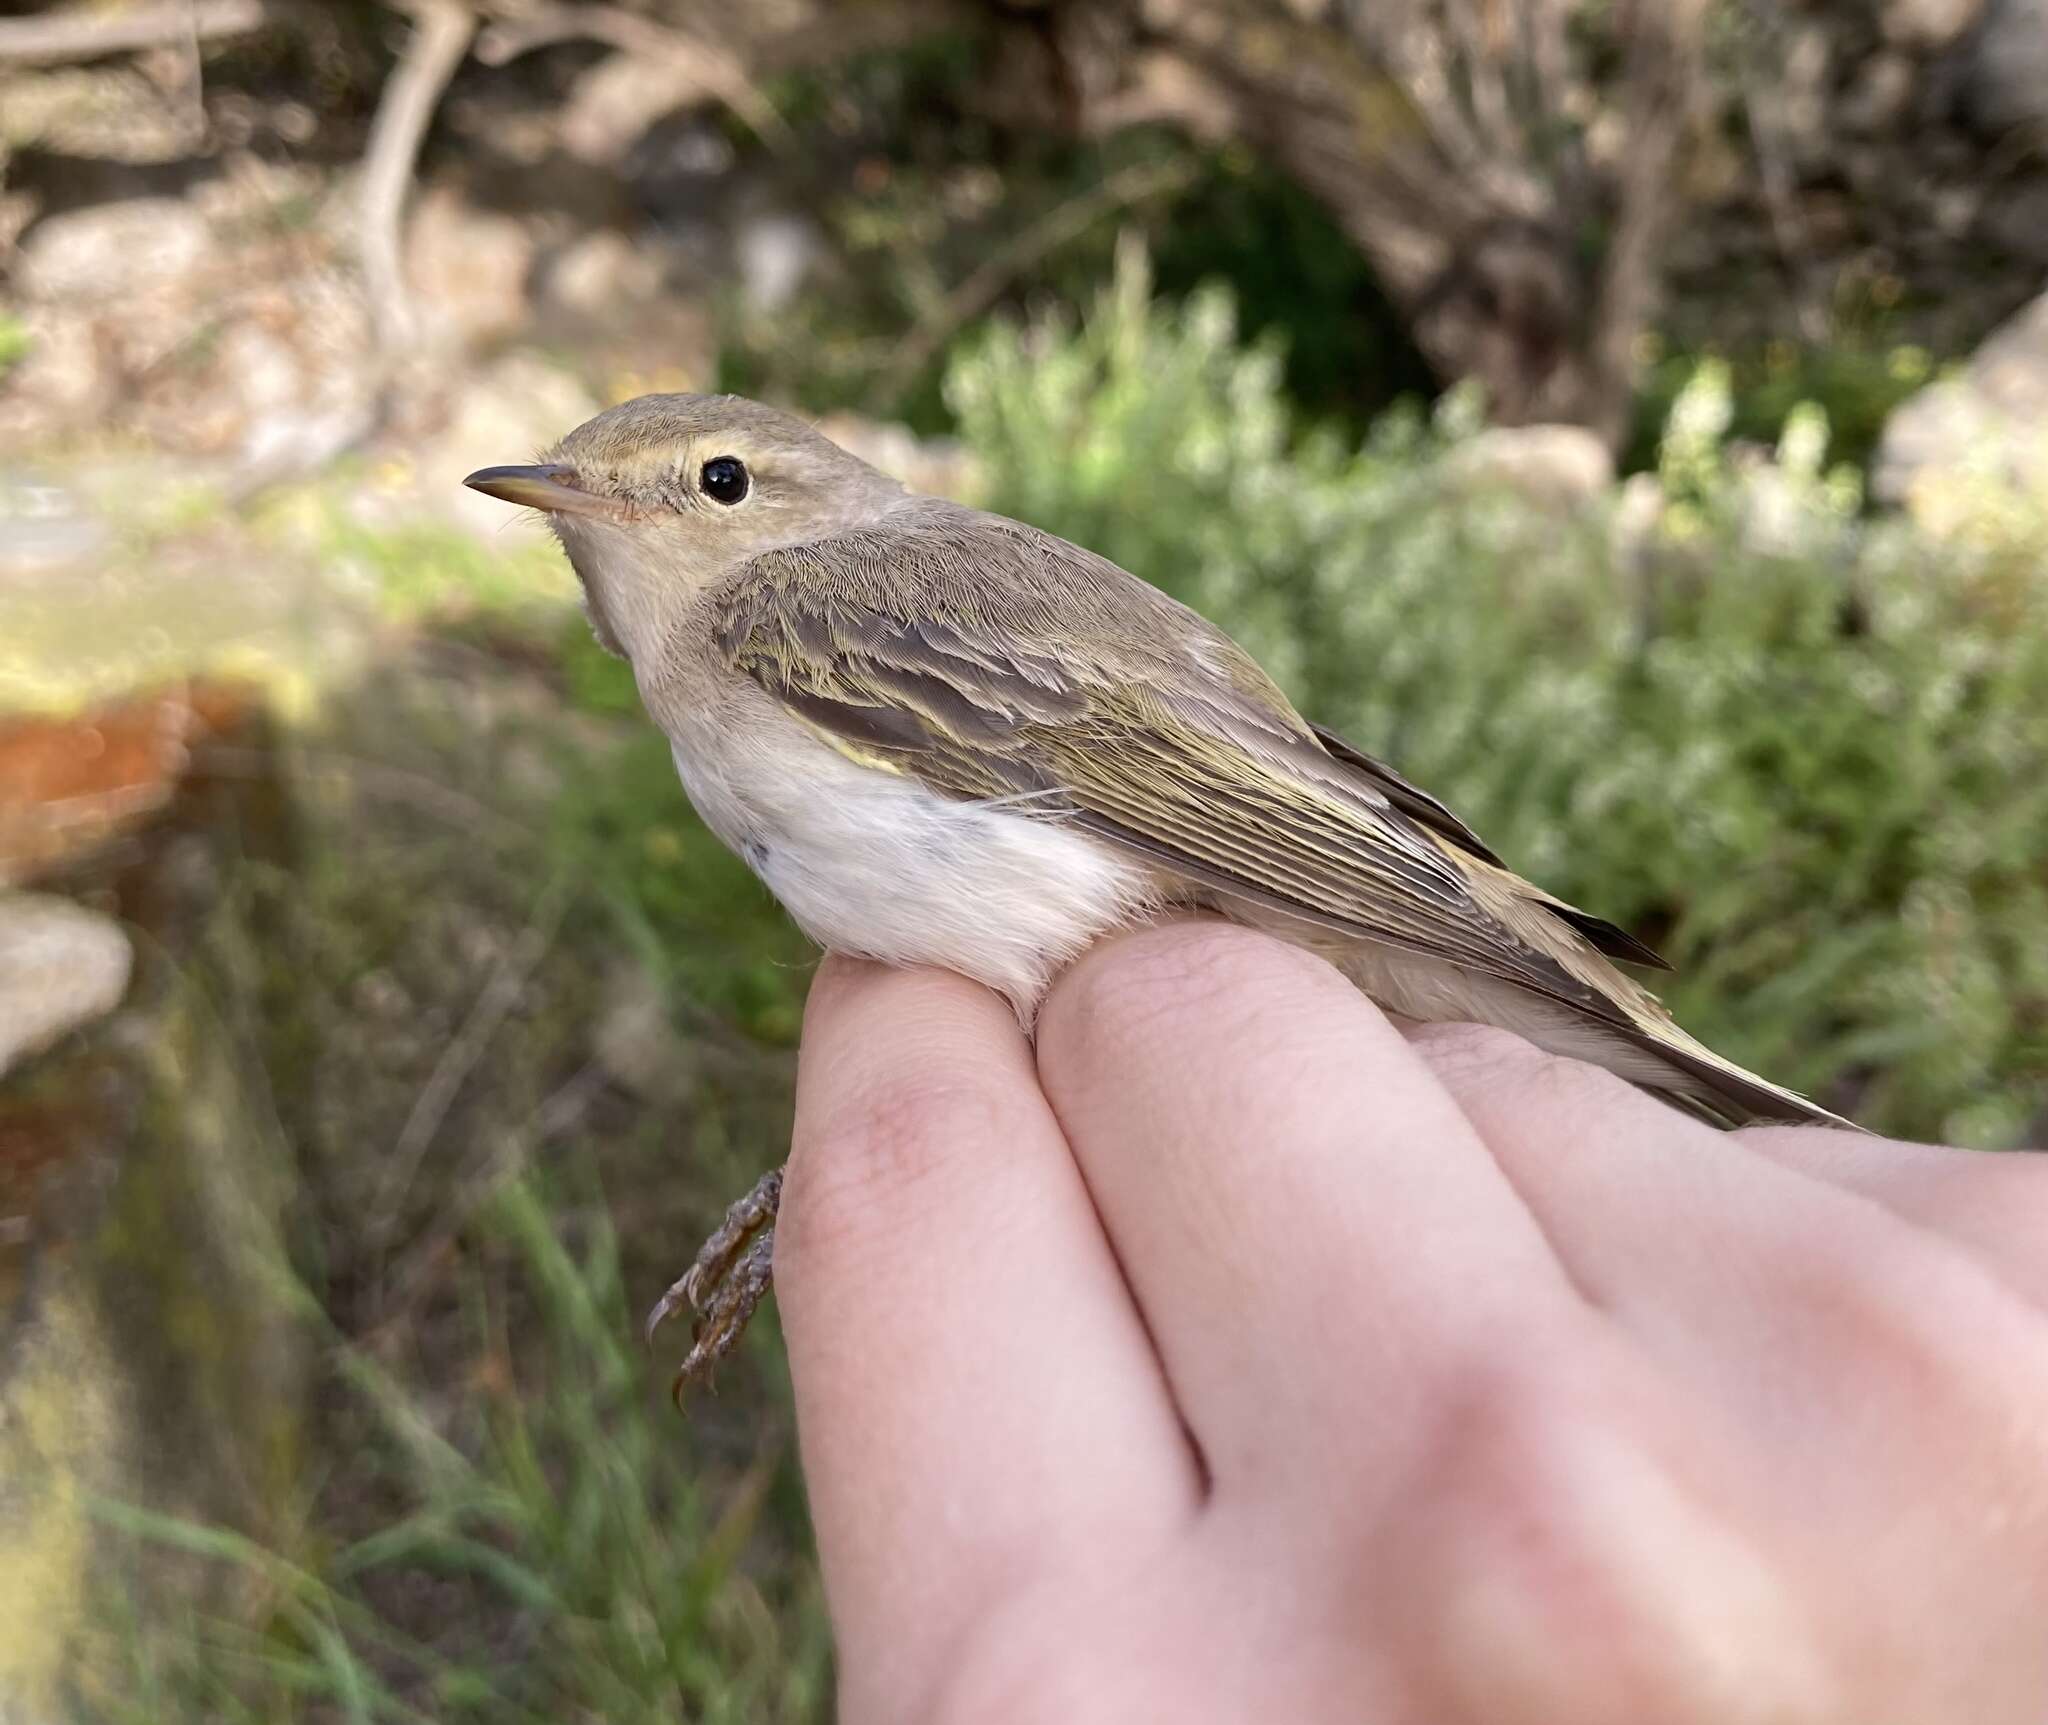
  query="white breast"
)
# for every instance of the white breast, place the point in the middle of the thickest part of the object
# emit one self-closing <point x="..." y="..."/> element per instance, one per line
<point x="874" y="864"/>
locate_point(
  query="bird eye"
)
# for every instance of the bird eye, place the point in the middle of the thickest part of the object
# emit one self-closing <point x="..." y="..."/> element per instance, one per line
<point x="724" y="479"/>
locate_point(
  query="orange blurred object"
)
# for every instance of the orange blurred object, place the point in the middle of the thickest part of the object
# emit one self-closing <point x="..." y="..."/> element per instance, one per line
<point x="69" y="785"/>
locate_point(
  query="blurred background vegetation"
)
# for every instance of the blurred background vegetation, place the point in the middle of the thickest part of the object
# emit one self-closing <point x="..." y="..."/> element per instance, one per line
<point x="1628" y="419"/>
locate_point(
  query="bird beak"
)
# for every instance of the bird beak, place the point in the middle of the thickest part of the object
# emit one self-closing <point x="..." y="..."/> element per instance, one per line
<point x="552" y="489"/>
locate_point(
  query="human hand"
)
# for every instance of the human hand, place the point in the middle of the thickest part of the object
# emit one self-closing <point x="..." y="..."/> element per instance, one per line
<point x="1238" y="1356"/>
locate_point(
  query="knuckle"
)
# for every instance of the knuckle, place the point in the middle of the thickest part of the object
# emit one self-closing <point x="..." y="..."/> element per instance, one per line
<point x="1499" y="1438"/>
<point x="1555" y="1525"/>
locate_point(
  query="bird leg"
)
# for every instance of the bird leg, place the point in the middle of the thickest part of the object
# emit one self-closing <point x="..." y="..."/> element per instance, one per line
<point x="732" y="1271"/>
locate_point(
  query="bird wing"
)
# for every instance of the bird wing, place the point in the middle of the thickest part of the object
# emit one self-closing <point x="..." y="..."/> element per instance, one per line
<point x="1054" y="675"/>
<point x="1422" y="808"/>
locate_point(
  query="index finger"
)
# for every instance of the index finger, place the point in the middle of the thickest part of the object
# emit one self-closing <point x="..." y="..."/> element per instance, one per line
<point x="1318" y="1238"/>
<point x="976" y="1397"/>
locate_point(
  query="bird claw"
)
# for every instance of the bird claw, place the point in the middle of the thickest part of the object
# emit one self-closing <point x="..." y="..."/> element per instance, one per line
<point x="724" y="1314"/>
<point x="733" y="1270"/>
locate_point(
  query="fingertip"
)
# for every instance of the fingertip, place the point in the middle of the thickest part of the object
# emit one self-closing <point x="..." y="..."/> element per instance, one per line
<point x="1193" y="984"/>
<point x="900" y="1070"/>
<point x="836" y="978"/>
<point x="855" y="1001"/>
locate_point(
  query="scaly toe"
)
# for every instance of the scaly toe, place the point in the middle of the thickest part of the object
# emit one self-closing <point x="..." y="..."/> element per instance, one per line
<point x="720" y="1257"/>
<point x="725" y="1315"/>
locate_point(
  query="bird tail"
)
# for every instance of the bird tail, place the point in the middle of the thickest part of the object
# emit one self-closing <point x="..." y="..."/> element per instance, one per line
<point x="1720" y="1092"/>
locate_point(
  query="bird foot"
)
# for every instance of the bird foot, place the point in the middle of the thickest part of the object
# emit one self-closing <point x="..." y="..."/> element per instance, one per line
<point x="733" y="1270"/>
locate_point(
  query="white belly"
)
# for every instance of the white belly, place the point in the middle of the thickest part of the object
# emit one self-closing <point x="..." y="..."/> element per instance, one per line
<point x="874" y="864"/>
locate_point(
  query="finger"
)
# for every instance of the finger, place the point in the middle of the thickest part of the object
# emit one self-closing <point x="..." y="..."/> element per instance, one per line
<point x="1312" y="1230"/>
<point x="1995" y="1202"/>
<point x="1759" y="1281"/>
<point x="975" y="1393"/>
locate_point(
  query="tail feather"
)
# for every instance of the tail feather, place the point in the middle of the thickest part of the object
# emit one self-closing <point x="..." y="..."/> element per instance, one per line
<point x="1723" y="1094"/>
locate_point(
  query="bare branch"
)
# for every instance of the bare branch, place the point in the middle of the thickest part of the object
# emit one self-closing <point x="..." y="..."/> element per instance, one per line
<point x="522" y="31"/>
<point x="89" y="33"/>
<point x="1556" y="146"/>
<point x="1761" y="102"/>
<point x="1481" y="34"/>
<point x="701" y="66"/>
<point x="1663" y="79"/>
<point x="403" y="114"/>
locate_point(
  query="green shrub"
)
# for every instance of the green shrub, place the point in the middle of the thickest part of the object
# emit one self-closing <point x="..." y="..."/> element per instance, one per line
<point x="1805" y="754"/>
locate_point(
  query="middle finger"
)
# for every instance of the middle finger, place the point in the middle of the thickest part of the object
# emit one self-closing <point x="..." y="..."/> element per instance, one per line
<point x="1313" y="1231"/>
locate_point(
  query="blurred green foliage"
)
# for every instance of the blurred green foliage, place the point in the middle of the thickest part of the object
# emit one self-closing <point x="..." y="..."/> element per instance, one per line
<point x="1806" y="755"/>
<point x="571" y="1517"/>
<point x="408" y="564"/>
<point x="1855" y="382"/>
<point x="14" y="342"/>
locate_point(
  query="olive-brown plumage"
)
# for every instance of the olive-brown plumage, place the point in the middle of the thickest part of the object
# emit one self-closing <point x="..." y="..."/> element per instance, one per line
<point x="898" y="707"/>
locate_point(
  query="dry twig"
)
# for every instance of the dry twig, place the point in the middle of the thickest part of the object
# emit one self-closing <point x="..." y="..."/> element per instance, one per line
<point x="1660" y="96"/>
<point x="403" y="114"/>
<point x="90" y="33"/>
<point x="700" y="66"/>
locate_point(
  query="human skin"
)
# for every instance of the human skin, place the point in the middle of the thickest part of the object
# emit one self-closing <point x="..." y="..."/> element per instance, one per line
<point x="1237" y="1354"/>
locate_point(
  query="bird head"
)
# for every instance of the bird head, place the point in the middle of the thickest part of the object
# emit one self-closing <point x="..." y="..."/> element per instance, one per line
<point x="655" y="499"/>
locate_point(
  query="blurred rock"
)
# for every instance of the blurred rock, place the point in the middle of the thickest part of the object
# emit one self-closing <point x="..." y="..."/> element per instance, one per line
<point x="63" y="378"/>
<point x="60" y="967"/>
<point x="595" y="273"/>
<point x="775" y="252"/>
<point x="468" y="268"/>
<point x="288" y="442"/>
<point x="1987" y="425"/>
<point x="45" y="527"/>
<point x="1558" y="467"/>
<point x="2008" y="74"/>
<point x="109" y="112"/>
<point x="201" y="338"/>
<point x="287" y="410"/>
<point x="104" y="252"/>
<point x="1927" y="25"/>
<point x="267" y="372"/>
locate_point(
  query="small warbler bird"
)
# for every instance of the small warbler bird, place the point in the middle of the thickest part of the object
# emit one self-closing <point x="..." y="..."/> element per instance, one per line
<point x="944" y="737"/>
